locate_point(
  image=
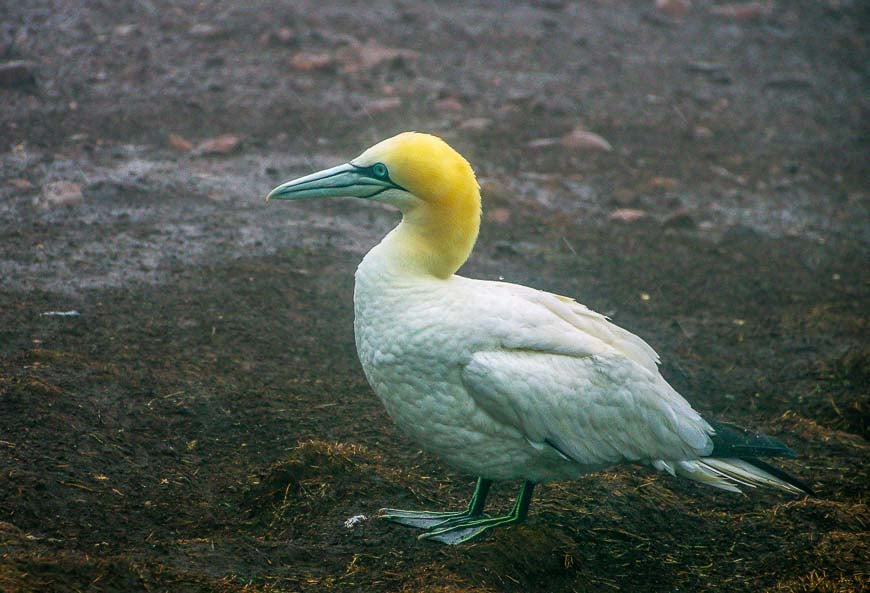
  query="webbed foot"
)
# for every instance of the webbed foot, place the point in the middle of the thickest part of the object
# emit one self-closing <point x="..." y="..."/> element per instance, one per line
<point x="420" y="519"/>
<point x="461" y="526"/>
<point x="460" y="531"/>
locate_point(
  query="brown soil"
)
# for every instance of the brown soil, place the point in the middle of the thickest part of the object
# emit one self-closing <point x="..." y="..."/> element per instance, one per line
<point x="203" y="425"/>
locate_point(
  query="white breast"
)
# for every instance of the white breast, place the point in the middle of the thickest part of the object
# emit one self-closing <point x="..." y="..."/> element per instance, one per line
<point x="413" y="340"/>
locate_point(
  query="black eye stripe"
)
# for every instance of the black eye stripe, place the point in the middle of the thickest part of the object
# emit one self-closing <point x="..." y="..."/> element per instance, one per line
<point x="378" y="171"/>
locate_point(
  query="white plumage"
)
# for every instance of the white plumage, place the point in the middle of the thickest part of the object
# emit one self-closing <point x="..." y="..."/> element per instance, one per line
<point x="486" y="374"/>
<point x="504" y="381"/>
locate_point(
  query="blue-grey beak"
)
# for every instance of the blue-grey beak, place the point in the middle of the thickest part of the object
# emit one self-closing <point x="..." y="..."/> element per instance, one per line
<point x="343" y="180"/>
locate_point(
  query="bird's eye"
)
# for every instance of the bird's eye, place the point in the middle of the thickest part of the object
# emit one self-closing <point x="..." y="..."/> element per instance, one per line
<point x="379" y="170"/>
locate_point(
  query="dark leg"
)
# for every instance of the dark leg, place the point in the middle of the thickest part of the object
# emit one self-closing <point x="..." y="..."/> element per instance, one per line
<point x="431" y="519"/>
<point x="478" y="499"/>
<point x="462" y="529"/>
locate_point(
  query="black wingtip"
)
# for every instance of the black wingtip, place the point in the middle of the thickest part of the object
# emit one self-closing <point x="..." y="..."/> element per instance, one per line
<point x="734" y="441"/>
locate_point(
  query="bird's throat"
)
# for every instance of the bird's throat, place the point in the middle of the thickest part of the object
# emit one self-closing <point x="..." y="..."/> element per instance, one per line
<point x="434" y="241"/>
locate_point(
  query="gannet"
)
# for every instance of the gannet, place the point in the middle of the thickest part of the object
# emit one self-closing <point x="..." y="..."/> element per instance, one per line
<point x="503" y="381"/>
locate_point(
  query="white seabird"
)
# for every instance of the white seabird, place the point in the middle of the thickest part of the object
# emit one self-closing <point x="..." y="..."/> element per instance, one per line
<point x="503" y="381"/>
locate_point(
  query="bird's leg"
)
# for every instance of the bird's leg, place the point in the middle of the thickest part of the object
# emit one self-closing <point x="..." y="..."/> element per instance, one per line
<point x="431" y="519"/>
<point x="462" y="529"/>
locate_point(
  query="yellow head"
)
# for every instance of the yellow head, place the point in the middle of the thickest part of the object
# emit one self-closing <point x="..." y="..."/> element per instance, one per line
<point x="432" y="184"/>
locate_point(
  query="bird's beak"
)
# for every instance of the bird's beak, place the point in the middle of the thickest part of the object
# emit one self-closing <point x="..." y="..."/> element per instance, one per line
<point x="343" y="180"/>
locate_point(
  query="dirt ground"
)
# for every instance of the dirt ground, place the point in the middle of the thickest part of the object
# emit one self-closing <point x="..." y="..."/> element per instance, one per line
<point x="197" y="420"/>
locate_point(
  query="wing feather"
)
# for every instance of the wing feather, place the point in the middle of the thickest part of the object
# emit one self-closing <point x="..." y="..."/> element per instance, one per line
<point x="598" y="410"/>
<point x="562" y="374"/>
<point x="586" y="323"/>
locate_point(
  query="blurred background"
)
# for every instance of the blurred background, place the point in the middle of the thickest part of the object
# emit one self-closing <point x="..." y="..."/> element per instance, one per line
<point x="181" y="408"/>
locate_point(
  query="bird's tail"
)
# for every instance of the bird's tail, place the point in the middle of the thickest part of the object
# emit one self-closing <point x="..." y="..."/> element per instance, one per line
<point x="734" y="463"/>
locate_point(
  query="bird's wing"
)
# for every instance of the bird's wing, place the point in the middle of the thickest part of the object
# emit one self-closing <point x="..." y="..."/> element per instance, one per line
<point x="566" y="377"/>
<point x="596" y="410"/>
<point x="593" y="326"/>
<point x="598" y="325"/>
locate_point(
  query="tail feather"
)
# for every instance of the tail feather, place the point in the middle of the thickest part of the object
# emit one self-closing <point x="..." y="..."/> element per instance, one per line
<point x="747" y="472"/>
<point x="733" y="463"/>
<point x="697" y="472"/>
<point x="781" y="475"/>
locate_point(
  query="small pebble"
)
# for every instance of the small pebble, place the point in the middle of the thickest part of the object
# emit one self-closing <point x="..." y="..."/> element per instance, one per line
<point x="664" y="183"/>
<point x="580" y="139"/>
<point x="702" y="133"/>
<point x="125" y="30"/>
<point x="60" y="193"/>
<point x="206" y="31"/>
<point x="673" y="8"/>
<point x="746" y="11"/>
<point x="627" y="214"/>
<point x="221" y="145"/>
<point x="476" y="124"/>
<point x="179" y="143"/>
<point x="448" y="104"/>
<point x="309" y="62"/>
<point x="498" y="215"/>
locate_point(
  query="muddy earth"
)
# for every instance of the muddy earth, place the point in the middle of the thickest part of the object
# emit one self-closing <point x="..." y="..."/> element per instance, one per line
<point x="181" y="408"/>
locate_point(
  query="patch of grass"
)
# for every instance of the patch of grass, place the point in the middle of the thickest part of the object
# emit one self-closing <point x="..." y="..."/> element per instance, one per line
<point x="818" y="581"/>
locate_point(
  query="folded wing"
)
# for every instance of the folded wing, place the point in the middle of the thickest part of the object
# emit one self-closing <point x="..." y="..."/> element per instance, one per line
<point x="596" y="410"/>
